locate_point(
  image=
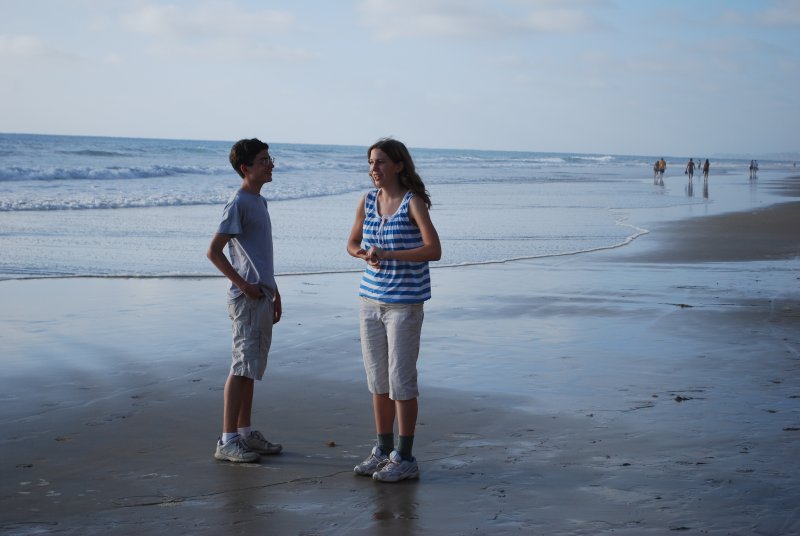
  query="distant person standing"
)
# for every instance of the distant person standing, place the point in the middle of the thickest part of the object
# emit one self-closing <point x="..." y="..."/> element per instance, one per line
<point x="753" y="169"/>
<point x="254" y="303"/>
<point x="690" y="169"/>
<point x="662" y="167"/>
<point x="706" y="167"/>
<point x="655" y="172"/>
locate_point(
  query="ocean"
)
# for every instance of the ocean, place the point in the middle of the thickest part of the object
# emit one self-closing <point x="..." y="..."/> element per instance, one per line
<point x="122" y="207"/>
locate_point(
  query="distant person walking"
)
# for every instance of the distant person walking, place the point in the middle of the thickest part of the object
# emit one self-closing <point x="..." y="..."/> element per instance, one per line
<point x="706" y="167"/>
<point x="254" y="303"/>
<point x="394" y="235"/>
<point x="753" y="169"/>
<point x="690" y="169"/>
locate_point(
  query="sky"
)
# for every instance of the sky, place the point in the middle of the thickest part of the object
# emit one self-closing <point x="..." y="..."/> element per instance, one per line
<point x="678" y="77"/>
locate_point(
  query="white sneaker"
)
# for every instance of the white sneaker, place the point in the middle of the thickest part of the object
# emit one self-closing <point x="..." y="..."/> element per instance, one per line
<point x="235" y="450"/>
<point x="397" y="469"/>
<point x="371" y="463"/>
<point x="258" y="443"/>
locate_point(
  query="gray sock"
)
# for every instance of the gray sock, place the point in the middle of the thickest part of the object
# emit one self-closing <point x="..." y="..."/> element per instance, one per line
<point x="386" y="443"/>
<point x="404" y="447"/>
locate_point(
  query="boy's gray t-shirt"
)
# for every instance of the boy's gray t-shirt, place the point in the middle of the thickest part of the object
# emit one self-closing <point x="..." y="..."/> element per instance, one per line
<point x="246" y="219"/>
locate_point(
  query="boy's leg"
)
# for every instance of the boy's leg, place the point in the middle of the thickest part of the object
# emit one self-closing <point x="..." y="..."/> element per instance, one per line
<point x="238" y="403"/>
<point x="232" y="447"/>
<point x="246" y="409"/>
<point x="252" y="337"/>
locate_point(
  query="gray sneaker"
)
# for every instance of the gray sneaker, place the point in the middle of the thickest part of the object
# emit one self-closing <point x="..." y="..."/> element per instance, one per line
<point x="397" y="469"/>
<point x="235" y="450"/>
<point x="371" y="463"/>
<point x="258" y="443"/>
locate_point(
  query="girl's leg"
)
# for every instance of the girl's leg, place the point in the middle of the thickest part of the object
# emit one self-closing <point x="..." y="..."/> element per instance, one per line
<point x="406" y="416"/>
<point x="404" y="339"/>
<point x="384" y="410"/>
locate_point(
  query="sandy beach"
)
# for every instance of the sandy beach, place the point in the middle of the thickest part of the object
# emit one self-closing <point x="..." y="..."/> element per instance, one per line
<point x="651" y="389"/>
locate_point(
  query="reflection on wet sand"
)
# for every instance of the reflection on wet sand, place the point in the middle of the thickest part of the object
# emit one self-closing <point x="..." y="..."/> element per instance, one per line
<point x="396" y="502"/>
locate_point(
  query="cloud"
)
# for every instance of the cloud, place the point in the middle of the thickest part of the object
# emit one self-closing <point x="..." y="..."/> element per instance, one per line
<point x="112" y="58"/>
<point x="27" y="47"/>
<point x="780" y="14"/>
<point x="391" y="20"/>
<point x="559" y="21"/>
<point x="226" y="50"/>
<point x="213" y="31"/>
<point x="204" y="21"/>
<point x="786" y="13"/>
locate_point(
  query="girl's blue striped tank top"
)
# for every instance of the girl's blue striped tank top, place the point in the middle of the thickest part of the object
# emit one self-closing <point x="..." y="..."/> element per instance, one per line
<point x="394" y="281"/>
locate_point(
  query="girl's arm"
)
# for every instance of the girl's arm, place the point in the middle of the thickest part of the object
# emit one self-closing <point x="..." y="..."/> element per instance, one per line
<point x="431" y="249"/>
<point x="357" y="233"/>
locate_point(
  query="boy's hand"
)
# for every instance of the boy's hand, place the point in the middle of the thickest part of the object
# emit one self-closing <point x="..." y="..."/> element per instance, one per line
<point x="253" y="290"/>
<point x="278" y="308"/>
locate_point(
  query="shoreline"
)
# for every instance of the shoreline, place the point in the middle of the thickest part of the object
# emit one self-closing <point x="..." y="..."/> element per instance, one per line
<point x="624" y="391"/>
<point x="506" y="222"/>
<point x="764" y="233"/>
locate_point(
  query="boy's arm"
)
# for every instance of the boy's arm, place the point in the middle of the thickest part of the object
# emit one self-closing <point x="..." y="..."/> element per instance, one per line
<point x="278" y="309"/>
<point x="216" y="254"/>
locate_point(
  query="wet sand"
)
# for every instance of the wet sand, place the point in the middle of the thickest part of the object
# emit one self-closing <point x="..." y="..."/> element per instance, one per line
<point x="647" y="390"/>
<point x="760" y="234"/>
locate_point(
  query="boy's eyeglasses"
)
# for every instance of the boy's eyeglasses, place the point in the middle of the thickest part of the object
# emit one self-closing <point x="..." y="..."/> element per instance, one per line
<point x="267" y="161"/>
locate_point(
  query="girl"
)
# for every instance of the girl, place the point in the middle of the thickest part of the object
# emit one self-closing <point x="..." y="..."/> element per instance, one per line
<point x="394" y="235"/>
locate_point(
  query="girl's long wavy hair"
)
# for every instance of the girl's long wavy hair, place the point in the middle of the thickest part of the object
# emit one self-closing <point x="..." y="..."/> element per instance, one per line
<point x="408" y="177"/>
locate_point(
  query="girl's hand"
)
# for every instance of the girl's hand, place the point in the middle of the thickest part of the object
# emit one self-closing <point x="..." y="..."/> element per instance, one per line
<point x="373" y="257"/>
<point x="361" y="254"/>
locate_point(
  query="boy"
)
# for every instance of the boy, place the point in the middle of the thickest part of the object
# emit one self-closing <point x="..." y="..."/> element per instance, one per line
<point x="254" y="303"/>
